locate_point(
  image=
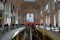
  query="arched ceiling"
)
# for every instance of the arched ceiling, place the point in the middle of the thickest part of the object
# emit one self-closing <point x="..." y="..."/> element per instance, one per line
<point x="39" y="3"/>
<point x="21" y="4"/>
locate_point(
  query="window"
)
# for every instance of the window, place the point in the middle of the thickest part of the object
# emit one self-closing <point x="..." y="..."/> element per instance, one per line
<point x="29" y="0"/>
<point x="54" y="0"/>
<point x="47" y="7"/>
<point x="30" y="17"/>
<point x="9" y="21"/>
<point x="16" y="22"/>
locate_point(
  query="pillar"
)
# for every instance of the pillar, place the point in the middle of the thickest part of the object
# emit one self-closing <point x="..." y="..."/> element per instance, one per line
<point x="16" y="18"/>
<point x="52" y="19"/>
<point x="59" y="18"/>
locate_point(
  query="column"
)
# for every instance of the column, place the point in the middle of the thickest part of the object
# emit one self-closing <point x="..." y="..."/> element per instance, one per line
<point x="56" y="18"/>
<point x="13" y="18"/>
<point x="16" y="18"/>
<point x="6" y="12"/>
<point x="52" y="19"/>
<point x="48" y="20"/>
<point x="59" y="18"/>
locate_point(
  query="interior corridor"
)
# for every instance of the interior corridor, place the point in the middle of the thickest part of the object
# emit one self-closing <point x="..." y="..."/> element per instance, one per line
<point x="29" y="19"/>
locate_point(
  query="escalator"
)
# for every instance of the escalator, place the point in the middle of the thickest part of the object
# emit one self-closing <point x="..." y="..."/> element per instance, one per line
<point x="34" y="34"/>
<point x="27" y="35"/>
<point x="31" y="35"/>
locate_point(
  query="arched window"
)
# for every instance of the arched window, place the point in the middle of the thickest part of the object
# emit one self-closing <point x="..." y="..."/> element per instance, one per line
<point x="54" y="0"/>
<point x="30" y="17"/>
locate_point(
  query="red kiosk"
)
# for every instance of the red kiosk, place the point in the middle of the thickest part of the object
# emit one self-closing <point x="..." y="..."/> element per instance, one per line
<point x="31" y="23"/>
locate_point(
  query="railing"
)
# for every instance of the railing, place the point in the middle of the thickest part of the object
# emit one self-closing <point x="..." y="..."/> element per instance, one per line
<point x="51" y="28"/>
<point x="47" y="35"/>
<point x="5" y="28"/>
<point x="19" y="36"/>
<point x="42" y="32"/>
<point x="14" y="34"/>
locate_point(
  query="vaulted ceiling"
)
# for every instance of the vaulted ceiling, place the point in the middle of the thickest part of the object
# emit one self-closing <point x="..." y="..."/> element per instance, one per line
<point x="20" y="4"/>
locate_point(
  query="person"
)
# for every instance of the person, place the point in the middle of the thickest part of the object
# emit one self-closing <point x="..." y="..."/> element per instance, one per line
<point x="28" y="28"/>
<point x="56" y="25"/>
<point x="41" y="26"/>
<point x="0" y="25"/>
<point x="33" y="30"/>
<point x="34" y="33"/>
<point x="50" y="26"/>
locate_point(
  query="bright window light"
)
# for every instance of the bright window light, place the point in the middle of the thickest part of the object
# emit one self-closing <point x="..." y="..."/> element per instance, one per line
<point x="9" y="21"/>
<point x="54" y="0"/>
<point x="16" y="22"/>
<point x="41" y="21"/>
<point x="46" y="6"/>
<point x="30" y="17"/>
